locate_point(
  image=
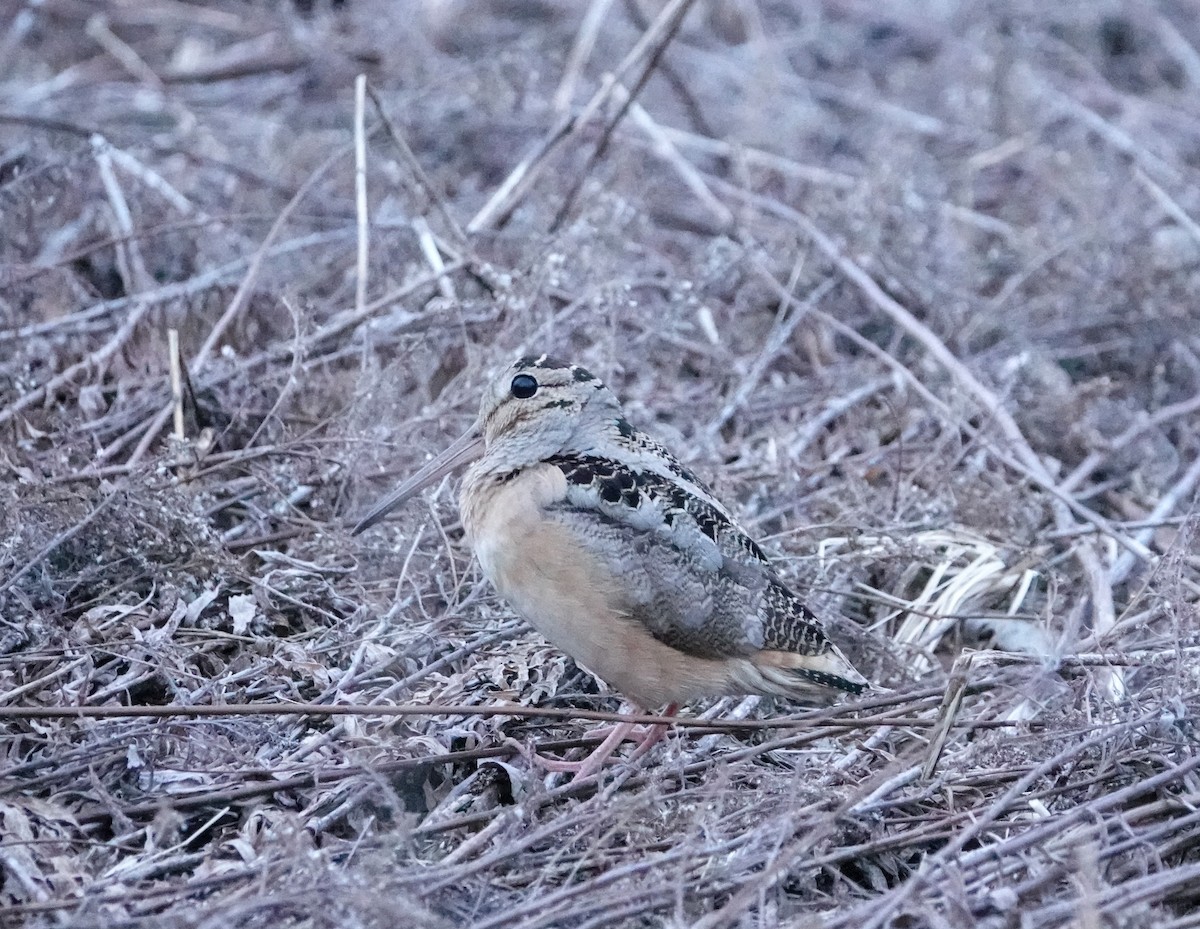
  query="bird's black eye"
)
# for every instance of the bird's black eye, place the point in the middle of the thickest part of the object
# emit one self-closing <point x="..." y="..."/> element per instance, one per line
<point x="524" y="386"/>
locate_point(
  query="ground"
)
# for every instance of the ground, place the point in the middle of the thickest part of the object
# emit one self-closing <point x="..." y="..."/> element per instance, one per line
<point x="914" y="286"/>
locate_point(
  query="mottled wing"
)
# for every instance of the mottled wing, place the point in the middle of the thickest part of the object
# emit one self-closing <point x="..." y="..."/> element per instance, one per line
<point x="655" y="458"/>
<point x="694" y="578"/>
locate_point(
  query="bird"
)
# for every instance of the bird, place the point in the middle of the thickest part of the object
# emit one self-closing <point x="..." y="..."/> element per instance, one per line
<point x="620" y="556"/>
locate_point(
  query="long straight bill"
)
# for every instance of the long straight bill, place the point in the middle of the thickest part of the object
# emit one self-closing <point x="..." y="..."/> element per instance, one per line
<point x="464" y="450"/>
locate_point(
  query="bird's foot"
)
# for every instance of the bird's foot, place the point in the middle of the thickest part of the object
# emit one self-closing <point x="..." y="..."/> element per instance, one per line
<point x="646" y="738"/>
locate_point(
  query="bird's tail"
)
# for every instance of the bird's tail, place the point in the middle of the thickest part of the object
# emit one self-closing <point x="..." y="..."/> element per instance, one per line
<point x="805" y="677"/>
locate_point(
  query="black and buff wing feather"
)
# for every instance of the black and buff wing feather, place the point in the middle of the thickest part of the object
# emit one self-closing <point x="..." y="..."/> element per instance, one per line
<point x="692" y="575"/>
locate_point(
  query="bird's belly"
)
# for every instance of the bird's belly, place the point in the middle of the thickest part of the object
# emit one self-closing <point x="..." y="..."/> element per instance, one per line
<point x="571" y="597"/>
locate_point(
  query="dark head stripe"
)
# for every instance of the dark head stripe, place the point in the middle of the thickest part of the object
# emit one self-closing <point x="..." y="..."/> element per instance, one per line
<point x="580" y="374"/>
<point x="540" y="361"/>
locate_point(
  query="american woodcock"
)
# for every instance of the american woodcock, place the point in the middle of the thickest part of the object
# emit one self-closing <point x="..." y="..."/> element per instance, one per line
<point x="619" y="555"/>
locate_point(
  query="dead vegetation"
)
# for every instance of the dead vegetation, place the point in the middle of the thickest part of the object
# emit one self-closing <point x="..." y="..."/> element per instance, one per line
<point x="915" y="286"/>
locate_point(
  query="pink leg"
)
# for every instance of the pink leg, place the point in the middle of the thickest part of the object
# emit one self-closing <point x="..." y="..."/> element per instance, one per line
<point x="593" y="762"/>
<point x="653" y="734"/>
<point x="590" y="765"/>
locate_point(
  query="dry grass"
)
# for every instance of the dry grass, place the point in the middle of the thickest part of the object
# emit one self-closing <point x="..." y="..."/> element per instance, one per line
<point x="916" y="287"/>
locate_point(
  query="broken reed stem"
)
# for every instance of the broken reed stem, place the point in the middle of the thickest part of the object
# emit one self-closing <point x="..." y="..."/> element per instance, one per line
<point x="360" y="192"/>
<point x="176" y="380"/>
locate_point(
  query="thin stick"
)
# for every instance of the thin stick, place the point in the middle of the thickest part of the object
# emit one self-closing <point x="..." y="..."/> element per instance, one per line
<point x="1025" y="461"/>
<point x="182" y="290"/>
<point x="91" y="362"/>
<point x="947" y="713"/>
<point x="138" y="278"/>
<point x="154" y="181"/>
<point x="504" y="200"/>
<point x="51" y="546"/>
<point x="1142" y="425"/>
<point x="239" y="301"/>
<point x="360" y="191"/>
<point x="585" y="41"/>
<point x="418" y="172"/>
<point x="242" y="296"/>
<point x="666" y="149"/>
<point x="791" y="313"/>
<point x="1118" y="138"/>
<point x="147" y="429"/>
<point x="176" y="379"/>
<point x="1169" y="205"/>
<point x="1181" y="50"/>
<point x="880" y="909"/>
<point x="432" y="255"/>
<point x="125" y="55"/>
<point x="837" y="716"/>
<point x="1165" y="507"/>
<point x="657" y="50"/>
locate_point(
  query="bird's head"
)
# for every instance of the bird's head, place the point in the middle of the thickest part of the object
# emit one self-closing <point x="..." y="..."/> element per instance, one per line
<point x="534" y="408"/>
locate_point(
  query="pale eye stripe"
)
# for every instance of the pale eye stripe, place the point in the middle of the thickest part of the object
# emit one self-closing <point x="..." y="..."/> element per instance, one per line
<point x="526" y="413"/>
